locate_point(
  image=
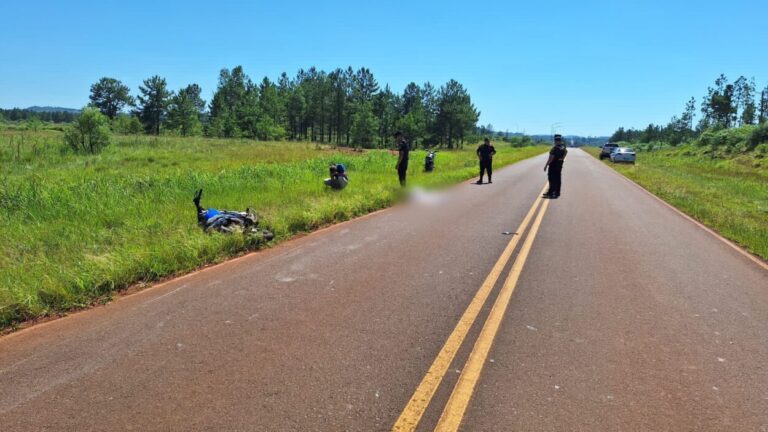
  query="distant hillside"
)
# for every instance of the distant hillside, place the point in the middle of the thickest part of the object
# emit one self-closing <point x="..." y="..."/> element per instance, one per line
<point x="53" y="109"/>
<point x="571" y="140"/>
<point x="577" y="140"/>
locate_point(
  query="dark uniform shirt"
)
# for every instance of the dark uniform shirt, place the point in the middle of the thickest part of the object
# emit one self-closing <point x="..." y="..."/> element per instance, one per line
<point x="559" y="152"/>
<point x="486" y="152"/>
<point x="404" y="150"/>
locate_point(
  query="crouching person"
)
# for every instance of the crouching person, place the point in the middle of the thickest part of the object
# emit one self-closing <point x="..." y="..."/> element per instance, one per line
<point x="338" y="179"/>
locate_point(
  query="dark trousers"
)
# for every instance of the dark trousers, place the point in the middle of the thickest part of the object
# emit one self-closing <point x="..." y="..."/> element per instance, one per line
<point x="402" y="170"/>
<point x="555" y="176"/>
<point x="486" y="166"/>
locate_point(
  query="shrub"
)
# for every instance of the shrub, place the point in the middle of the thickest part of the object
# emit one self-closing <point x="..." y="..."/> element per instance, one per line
<point x="89" y="133"/>
<point x="127" y="125"/>
<point x="706" y="139"/>
<point x="651" y="146"/>
<point x="729" y="140"/>
<point x="758" y="137"/>
<point x="33" y="124"/>
<point x="738" y="139"/>
<point x="762" y="150"/>
<point x="268" y="130"/>
<point x="520" y="141"/>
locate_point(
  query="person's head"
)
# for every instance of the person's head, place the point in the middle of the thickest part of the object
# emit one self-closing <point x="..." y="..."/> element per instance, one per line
<point x="558" y="139"/>
<point x="486" y="141"/>
<point x="399" y="137"/>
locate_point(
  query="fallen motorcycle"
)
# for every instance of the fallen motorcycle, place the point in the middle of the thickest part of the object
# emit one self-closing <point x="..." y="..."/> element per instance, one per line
<point x="226" y="221"/>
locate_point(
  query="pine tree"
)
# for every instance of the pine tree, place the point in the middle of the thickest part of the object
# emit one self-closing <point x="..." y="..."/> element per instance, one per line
<point x="364" y="126"/>
<point x="153" y="103"/>
<point x="226" y="107"/>
<point x="456" y="113"/>
<point x="110" y="96"/>
<point x="744" y="100"/>
<point x="185" y="111"/>
<point x="763" y="115"/>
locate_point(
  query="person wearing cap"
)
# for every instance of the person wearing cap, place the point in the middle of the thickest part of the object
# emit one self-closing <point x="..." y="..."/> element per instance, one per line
<point x="402" y="157"/>
<point x="338" y="179"/>
<point x="485" y="154"/>
<point x="554" y="167"/>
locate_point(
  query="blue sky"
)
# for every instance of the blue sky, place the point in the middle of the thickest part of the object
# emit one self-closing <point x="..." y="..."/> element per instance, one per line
<point x="589" y="65"/>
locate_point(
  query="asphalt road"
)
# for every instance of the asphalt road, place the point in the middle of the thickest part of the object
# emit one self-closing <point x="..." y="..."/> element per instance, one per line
<point x="606" y="311"/>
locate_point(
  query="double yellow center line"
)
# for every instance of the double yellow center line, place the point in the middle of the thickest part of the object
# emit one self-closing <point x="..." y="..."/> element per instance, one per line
<point x="462" y="392"/>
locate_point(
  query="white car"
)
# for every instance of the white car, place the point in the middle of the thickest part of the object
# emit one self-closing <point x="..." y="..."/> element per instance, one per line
<point x="623" y="154"/>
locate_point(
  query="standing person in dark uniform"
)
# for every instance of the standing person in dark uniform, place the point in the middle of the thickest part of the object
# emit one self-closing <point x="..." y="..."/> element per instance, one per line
<point x="555" y="165"/>
<point x="485" y="154"/>
<point x="402" y="157"/>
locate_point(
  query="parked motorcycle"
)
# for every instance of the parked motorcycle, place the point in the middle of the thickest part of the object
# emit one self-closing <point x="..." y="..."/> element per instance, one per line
<point x="429" y="161"/>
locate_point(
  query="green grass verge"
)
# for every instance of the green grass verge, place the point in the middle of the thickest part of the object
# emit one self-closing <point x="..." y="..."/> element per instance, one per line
<point x="728" y="195"/>
<point x="78" y="228"/>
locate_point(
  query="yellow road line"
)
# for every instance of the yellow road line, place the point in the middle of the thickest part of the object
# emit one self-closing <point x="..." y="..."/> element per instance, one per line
<point x="418" y="403"/>
<point x="457" y="404"/>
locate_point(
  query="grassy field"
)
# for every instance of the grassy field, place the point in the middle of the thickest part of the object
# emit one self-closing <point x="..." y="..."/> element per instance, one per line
<point x="729" y="195"/>
<point x="77" y="228"/>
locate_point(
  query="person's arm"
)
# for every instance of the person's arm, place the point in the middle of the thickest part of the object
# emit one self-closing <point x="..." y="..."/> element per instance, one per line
<point x="399" y="159"/>
<point x="549" y="161"/>
<point x="478" y="152"/>
<point x="493" y="151"/>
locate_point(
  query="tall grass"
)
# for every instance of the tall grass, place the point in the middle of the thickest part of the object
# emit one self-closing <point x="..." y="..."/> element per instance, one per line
<point x="729" y="195"/>
<point x="76" y="228"/>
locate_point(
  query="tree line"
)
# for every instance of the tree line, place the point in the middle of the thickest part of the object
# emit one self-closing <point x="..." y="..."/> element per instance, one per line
<point x="19" y="114"/>
<point x="726" y="105"/>
<point x="343" y="107"/>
